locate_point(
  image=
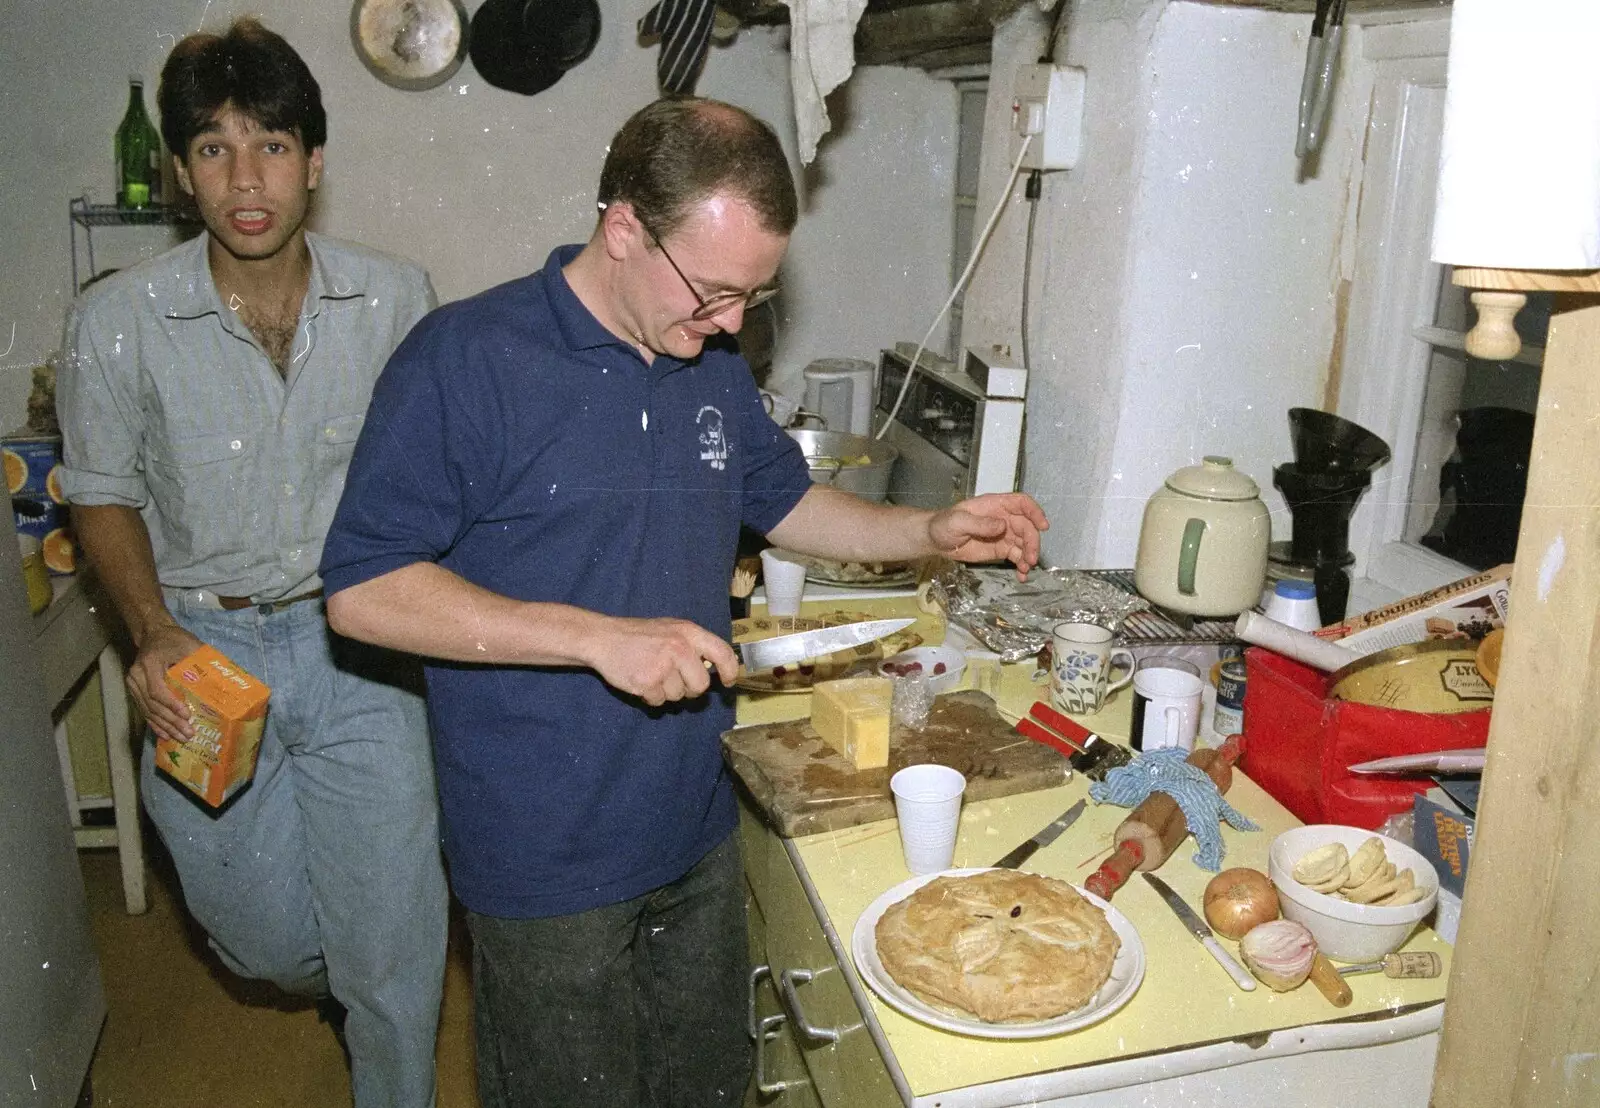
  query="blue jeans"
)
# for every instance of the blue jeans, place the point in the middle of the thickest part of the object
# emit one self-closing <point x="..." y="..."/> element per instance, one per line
<point x="325" y="873"/>
<point x="634" y="1005"/>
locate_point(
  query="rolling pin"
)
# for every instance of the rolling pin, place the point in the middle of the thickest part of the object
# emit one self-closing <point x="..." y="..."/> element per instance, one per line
<point x="1155" y="828"/>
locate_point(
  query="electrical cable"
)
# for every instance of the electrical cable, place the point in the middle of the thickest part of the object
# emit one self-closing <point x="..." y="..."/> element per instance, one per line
<point x="1049" y="55"/>
<point x="1031" y="191"/>
<point x="961" y="283"/>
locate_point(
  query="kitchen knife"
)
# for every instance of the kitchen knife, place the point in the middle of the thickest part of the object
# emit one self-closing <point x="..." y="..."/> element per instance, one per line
<point x="1202" y="931"/>
<point x="1043" y="838"/>
<point x="783" y="649"/>
<point x="1094" y="756"/>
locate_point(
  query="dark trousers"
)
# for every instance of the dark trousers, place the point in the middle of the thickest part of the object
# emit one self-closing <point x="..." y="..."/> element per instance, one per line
<point x="634" y="1005"/>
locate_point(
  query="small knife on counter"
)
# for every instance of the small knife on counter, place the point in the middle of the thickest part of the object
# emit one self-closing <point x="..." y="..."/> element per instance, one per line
<point x="1202" y="931"/>
<point x="781" y="650"/>
<point x="1045" y="837"/>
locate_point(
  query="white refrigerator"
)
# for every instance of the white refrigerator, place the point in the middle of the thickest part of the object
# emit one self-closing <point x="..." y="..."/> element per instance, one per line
<point x="51" y="1000"/>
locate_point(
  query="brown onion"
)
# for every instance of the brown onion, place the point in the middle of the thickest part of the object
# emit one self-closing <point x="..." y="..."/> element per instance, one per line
<point x="1238" y="899"/>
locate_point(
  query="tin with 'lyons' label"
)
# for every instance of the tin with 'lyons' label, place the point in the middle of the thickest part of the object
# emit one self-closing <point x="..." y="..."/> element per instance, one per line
<point x="1229" y="717"/>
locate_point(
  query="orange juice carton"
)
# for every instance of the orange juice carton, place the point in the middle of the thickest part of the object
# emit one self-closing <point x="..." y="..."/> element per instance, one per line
<point x="228" y="708"/>
<point x="32" y="467"/>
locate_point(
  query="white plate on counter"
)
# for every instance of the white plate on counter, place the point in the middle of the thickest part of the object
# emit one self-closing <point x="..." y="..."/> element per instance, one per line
<point x="859" y="575"/>
<point x="1127" y="972"/>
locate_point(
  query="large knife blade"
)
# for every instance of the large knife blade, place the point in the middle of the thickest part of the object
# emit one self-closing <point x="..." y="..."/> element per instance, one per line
<point x="781" y="650"/>
<point x="1045" y="837"/>
<point x="1202" y="931"/>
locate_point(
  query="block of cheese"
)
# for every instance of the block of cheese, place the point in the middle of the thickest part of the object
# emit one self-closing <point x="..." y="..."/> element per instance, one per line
<point x="852" y="716"/>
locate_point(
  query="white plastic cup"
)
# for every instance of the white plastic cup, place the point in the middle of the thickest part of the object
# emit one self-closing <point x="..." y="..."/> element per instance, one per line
<point x="784" y="581"/>
<point x="927" y="802"/>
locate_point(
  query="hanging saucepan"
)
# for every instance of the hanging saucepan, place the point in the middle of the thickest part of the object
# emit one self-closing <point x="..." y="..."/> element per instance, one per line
<point x="410" y="44"/>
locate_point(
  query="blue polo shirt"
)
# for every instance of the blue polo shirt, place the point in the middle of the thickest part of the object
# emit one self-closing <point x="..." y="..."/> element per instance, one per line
<point x="515" y="441"/>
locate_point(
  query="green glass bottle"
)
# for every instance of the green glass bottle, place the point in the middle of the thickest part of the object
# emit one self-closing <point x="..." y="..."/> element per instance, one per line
<point x="138" y="153"/>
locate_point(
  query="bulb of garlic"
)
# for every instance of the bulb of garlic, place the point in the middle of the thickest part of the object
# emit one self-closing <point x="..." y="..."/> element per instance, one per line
<point x="1279" y="952"/>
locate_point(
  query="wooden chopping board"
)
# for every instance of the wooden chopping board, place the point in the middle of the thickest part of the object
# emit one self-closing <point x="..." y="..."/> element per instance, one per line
<point x="805" y="786"/>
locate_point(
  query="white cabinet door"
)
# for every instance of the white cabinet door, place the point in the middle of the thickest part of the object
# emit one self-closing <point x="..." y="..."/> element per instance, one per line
<point x="49" y="972"/>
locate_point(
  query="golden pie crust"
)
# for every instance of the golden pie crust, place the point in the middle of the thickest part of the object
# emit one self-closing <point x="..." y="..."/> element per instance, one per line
<point x="1000" y="945"/>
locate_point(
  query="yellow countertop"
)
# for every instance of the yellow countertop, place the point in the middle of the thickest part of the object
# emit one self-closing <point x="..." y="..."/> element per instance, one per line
<point x="1186" y="999"/>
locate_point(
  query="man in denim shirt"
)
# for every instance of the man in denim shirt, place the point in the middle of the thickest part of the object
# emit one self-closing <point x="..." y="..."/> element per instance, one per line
<point x="210" y="401"/>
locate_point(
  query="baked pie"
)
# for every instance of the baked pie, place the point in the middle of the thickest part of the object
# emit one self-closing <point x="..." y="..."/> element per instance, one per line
<point x="1003" y="946"/>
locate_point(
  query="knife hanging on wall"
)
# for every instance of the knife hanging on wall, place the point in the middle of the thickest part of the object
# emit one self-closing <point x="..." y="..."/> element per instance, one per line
<point x="1316" y="84"/>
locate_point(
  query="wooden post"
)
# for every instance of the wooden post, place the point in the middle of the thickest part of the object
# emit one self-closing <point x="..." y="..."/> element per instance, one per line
<point x="1521" y="1023"/>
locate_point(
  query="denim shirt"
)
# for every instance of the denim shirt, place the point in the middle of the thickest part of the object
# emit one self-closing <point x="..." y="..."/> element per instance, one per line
<point x="169" y="405"/>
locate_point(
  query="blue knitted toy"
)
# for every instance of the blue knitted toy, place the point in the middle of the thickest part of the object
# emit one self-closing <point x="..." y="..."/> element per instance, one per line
<point x="1197" y="796"/>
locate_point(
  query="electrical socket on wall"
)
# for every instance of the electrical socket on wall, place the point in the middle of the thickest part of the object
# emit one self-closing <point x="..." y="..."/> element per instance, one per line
<point x="1047" y="103"/>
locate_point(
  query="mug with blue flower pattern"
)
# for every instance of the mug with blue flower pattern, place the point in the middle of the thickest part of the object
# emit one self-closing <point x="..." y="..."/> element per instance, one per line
<point x="1081" y="660"/>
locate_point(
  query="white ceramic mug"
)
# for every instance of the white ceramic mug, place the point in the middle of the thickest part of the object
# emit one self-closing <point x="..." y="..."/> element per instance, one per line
<point x="1166" y="704"/>
<point x="1081" y="658"/>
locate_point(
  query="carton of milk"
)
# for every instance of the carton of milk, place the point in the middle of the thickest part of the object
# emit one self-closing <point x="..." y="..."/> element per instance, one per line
<point x="228" y="708"/>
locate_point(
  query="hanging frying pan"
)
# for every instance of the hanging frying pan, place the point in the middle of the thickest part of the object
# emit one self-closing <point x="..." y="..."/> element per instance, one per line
<point x="410" y="44"/>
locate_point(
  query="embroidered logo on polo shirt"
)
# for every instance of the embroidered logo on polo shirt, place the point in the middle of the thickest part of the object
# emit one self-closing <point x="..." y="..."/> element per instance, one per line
<point x="713" y="443"/>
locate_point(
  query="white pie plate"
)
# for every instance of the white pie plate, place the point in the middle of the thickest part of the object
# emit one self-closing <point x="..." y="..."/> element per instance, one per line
<point x="1127" y="971"/>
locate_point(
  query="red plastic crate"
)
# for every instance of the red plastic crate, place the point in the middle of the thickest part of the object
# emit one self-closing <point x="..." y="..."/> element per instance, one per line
<point x="1299" y="744"/>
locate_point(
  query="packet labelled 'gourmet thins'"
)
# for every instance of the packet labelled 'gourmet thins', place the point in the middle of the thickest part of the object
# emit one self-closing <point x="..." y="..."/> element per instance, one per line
<point x="1469" y="608"/>
<point x="228" y="708"/>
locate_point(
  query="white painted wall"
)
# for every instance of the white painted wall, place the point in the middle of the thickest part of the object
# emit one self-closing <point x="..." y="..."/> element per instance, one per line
<point x="1185" y="275"/>
<point x="476" y="183"/>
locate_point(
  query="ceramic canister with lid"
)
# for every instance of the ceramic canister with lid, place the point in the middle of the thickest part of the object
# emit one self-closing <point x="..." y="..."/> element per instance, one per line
<point x="1203" y="542"/>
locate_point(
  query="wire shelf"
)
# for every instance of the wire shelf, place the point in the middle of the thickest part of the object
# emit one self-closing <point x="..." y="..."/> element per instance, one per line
<point x="1155" y="628"/>
<point x="82" y="213"/>
<point x="86" y="214"/>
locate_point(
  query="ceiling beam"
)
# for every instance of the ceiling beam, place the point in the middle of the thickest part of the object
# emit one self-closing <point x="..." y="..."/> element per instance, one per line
<point x="935" y="34"/>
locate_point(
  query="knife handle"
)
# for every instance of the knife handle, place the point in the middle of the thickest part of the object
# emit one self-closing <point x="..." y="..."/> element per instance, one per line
<point x="1038" y="734"/>
<point x="1240" y="975"/>
<point x="1074" y="731"/>
<point x="1330" y="982"/>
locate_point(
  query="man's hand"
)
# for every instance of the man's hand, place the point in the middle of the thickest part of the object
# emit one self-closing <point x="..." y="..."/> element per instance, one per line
<point x="659" y="660"/>
<point x="165" y="711"/>
<point x="992" y="527"/>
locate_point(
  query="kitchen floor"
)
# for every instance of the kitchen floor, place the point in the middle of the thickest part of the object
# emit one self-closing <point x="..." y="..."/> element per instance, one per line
<point x="182" y="1032"/>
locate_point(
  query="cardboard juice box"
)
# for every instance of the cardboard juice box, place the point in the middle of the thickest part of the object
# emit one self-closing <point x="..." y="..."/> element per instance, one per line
<point x="229" y="709"/>
<point x="1444" y="837"/>
<point x="32" y="465"/>
<point x="1469" y="608"/>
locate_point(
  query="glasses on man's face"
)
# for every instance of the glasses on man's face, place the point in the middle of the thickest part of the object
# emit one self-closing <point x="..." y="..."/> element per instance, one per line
<point x="712" y="306"/>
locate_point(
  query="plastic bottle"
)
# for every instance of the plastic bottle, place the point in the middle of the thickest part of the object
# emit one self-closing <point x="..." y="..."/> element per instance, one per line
<point x="138" y="153"/>
<point x="1295" y="602"/>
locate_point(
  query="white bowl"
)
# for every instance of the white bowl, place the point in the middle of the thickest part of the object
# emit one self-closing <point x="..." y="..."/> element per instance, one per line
<point x="931" y="657"/>
<point x="1348" y="932"/>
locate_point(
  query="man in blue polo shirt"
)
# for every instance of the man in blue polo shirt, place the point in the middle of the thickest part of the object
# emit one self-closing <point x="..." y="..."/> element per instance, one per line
<point x="546" y="499"/>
